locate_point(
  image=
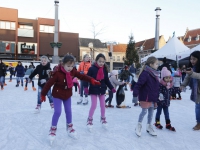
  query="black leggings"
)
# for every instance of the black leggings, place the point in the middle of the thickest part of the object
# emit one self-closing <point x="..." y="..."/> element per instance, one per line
<point x="75" y="85"/>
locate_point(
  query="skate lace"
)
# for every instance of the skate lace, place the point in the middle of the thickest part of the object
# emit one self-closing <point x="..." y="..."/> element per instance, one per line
<point x="103" y="120"/>
<point x="70" y="128"/>
<point x="90" y="122"/>
<point x="52" y="131"/>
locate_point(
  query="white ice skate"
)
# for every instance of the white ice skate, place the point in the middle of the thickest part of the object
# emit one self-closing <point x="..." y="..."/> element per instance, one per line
<point x="138" y="129"/>
<point x="150" y="130"/>
<point x="52" y="135"/>
<point x="71" y="132"/>
<point x="85" y="101"/>
<point x="80" y="100"/>
<point x="37" y="109"/>
<point x="52" y="105"/>
<point x="104" y="122"/>
<point x="89" y="124"/>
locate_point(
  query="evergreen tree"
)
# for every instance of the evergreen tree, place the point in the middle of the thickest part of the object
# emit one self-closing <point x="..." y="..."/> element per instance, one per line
<point x="131" y="53"/>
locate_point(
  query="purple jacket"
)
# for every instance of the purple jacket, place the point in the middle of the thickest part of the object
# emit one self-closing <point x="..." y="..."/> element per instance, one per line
<point x="147" y="88"/>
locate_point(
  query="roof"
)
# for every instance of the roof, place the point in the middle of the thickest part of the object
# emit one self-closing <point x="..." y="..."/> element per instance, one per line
<point x="193" y="34"/>
<point x="119" y="47"/>
<point x="96" y="43"/>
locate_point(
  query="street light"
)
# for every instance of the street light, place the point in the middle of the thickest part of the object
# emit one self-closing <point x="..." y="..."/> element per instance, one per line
<point x="157" y="28"/>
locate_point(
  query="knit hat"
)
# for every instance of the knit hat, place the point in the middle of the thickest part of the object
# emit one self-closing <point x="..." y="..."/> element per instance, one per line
<point x="165" y="72"/>
<point x="114" y="73"/>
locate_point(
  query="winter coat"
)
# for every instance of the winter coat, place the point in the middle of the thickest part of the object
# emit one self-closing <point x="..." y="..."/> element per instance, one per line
<point x="11" y="69"/>
<point x="132" y="69"/>
<point x="84" y="67"/>
<point x="20" y="71"/>
<point x="2" y="69"/>
<point x="29" y="71"/>
<point x="176" y="81"/>
<point x="58" y="79"/>
<point x="42" y="72"/>
<point x="115" y="82"/>
<point x="125" y="75"/>
<point x="147" y="88"/>
<point x="164" y="95"/>
<point x="98" y="89"/>
<point x="186" y="82"/>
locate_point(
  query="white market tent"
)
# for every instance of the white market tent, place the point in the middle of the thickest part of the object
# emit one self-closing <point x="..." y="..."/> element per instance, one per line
<point x="170" y="50"/>
<point x="187" y="53"/>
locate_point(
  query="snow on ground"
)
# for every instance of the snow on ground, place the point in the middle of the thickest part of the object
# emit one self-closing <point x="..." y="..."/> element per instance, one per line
<point x="21" y="129"/>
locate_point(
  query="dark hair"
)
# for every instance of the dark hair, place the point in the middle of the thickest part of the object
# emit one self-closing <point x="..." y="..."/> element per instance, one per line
<point x="164" y="60"/>
<point x="68" y="58"/>
<point x="195" y="54"/>
<point x="102" y="56"/>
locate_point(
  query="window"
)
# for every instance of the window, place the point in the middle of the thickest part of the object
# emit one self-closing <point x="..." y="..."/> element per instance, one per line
<point x="189" y="39"/>
<point x="118" y="58"/>
<point x="46" y="29"/>
<point x="12" y="26"/>
<point x="7" y="25"/>
<point x="197" y="38"/>
<point x="26" y="27"/>
<point x="2" y="25"/>
<point x="113" y="58"/>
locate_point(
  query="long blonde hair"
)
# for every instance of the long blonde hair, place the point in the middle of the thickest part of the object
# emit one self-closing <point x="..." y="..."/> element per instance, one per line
<point x="150" y="60"/>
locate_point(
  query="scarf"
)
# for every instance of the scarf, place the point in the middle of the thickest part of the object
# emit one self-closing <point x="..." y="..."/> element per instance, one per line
<point x="68" y="78"/>
<point x="168" y="85"/>
<point x="194" y="86"/>
<point x="100" y="74"/>
<point x="153" y="72"/>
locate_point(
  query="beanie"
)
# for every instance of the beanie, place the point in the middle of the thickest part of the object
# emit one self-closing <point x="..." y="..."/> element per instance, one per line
<point x="165" y="72"/>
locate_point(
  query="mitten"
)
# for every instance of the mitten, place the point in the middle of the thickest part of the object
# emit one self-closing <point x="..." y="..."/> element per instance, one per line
<point x="113" y="90"/>
<point x="42" y="98"/>
<point x="95" y="82"/>
<point x="86" y="91"/>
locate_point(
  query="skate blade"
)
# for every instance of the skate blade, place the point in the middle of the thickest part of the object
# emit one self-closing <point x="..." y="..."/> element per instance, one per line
<point x="85" y="103"/>
<point x="36" y="112"/>
<point x="51" y="139"/>
<point x="78" y="103"/>
<point x="151" y="134"/>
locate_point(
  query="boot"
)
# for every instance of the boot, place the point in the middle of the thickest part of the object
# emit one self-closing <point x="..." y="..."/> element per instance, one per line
<point x="80" y="100"/>
<point x="52" y="134"/>
<point x="168" y="125"/>
<point x="25" y="89"/>
<point x="85" y="101"/>
<point x="37" y="109"/>
<point x="197" y="127"/>
<point x="71" y="132"/>
<point x="109" y="105"/>
<point x="150" y="130"/>
<point x="138" y="129"/>
<point x="52" y="106"/>
<point x="34" y="89"/>
<point x="89" y="123"/>
<point x="157" y="124"/>
<point x="104" y="122"/>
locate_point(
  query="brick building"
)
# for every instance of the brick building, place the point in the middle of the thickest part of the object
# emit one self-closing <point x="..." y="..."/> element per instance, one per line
<point x="28" y="39"/>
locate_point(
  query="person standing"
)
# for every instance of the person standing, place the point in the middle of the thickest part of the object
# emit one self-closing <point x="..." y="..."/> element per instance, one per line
<point x="83" y="69"/>
<point x="165" y="64"/>
<point x="2" y="73"/>
<point x="11" y="69"/>
<point x="183" y="71"/>
<point x="28" y="72"/>
<point x="19" y="71"/>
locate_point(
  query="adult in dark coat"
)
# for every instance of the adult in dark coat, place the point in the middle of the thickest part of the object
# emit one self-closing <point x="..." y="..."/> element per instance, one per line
<point x="20" y="72"/>
<point x="2" y="73"/>
<point x="165" y="64"/>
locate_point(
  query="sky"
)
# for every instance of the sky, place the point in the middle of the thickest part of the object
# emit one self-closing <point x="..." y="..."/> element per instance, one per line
<point x="117" y="18"/>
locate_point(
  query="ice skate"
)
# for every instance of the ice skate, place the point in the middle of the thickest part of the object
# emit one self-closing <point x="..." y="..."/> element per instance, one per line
<point x="85" y="101"/>
<point x="71" y="132"/>
<point x="158" y="125"/>
<point x="25" y="89"/>
<point x="104" y="122"/>
<point x="37" y="109"/>
<point x="52" y="135"/>
<point x="89" y="124"/>
<point x="138" y="129"/>
<point x="80" y="100"/>
<point x="52" y="105"/>
<point x="34" y="89"/>
<point x="168" y="125"/>
<point x="150" y="130"/>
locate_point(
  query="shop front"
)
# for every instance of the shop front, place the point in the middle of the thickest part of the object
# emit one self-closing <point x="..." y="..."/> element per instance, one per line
<point x="7" y="49"/>
<point x="27" y="51"/>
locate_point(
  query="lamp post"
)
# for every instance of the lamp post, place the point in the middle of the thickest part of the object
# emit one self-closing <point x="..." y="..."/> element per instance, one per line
<point x="55" y="57"/>
<point x="157" y="28"/>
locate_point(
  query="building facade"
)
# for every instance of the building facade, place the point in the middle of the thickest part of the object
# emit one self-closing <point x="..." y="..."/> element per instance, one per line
<point x="28" y="39"/>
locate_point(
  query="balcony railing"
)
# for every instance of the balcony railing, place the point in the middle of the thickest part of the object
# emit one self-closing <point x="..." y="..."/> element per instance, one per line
<point x="25" y="32"/>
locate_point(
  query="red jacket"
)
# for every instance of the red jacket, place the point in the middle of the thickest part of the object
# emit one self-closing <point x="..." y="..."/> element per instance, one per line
<point x="58" y="79"/>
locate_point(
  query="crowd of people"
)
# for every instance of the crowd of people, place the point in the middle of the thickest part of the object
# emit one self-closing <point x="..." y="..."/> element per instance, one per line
<point x="153" y="87"/>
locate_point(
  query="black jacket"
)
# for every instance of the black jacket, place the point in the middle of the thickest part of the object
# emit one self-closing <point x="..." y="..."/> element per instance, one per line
<point x="2" y="69"/>
<point x="165" y="65"/>
<point x="42" y="72"/>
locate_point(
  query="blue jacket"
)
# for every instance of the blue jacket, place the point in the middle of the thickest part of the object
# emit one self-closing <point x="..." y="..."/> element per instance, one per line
<point x="166" y="95"/>
<point x="20" y="71"/>
<point x="98" y="89"/>
<point x="147" y="88"/>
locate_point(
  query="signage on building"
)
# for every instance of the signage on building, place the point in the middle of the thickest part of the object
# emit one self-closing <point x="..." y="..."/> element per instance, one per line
<point x="28" y="49"/>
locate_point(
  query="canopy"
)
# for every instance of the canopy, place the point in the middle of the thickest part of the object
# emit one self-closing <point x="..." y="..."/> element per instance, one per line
<point x="187" y="53"/>
<point x="169" y="50"/>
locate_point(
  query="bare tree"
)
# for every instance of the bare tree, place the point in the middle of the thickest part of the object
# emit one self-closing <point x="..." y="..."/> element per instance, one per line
<point x="96" y="29"/>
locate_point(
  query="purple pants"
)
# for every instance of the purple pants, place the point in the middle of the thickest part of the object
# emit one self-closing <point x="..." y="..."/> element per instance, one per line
<point x="58" y="108"/>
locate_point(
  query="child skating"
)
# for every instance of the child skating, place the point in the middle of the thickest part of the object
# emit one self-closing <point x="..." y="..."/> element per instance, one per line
<point x="147" y="91"/>
<point x="28" y="72"/>
<point x="99" y="72"/>
<point x="61" y="78"/>
<point x="166" y="89"/>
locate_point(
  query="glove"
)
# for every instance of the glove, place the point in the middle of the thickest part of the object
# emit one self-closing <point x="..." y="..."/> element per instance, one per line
<point x="86" y="91"/>
<point x="113" y="90"/>
<point x="43" y="81"/>
<point x="95" y="82"/>
<point x="134" y="100"/>
<point x="42" y="98"/>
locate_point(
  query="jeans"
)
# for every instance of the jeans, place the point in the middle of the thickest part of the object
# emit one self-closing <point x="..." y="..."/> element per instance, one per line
<point x="48" y="95"/>
<point x="109" y="99"/>
<point x="197" y="111"/>
<point x="18" y="80"/>
<point x="82" y="89"/>
<point x="159" y="111"/>
<point x="2" y="80"/>
<point x="11" y="77"/>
